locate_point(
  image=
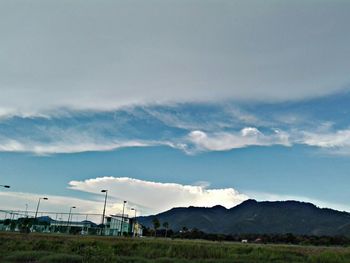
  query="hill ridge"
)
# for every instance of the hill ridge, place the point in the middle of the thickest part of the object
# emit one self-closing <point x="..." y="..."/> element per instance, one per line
<point x="261" y="217"/>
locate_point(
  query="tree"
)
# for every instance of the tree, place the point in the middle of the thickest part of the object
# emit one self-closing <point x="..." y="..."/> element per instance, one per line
<point x="156" y="225"/>
<point x="166" y="226"/>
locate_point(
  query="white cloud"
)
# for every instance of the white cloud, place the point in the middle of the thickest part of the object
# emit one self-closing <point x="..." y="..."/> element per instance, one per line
<point x="104" y="55"/>
<point x="336" y="139"/>
<point x="152" y="197"/>
<point x="332" y="141"/>
<point x="248" y="136"/>
<point x="74" y="132"/>
<point x="69" y="146"/>
<point x="11" y="146"/>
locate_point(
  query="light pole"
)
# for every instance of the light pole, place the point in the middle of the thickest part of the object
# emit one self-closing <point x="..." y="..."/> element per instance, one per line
<point x="122" y="221"/>
<point x="134" y="222"/>
<point x="37" y="207"/>
<point x="69" y="215"/>
<point x="104" y="210"/>
<point x="104" y="207"/>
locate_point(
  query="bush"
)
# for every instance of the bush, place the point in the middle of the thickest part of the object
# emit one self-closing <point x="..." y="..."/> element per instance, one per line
<point x="61" y="258"/>
<point x="26" y="256"/>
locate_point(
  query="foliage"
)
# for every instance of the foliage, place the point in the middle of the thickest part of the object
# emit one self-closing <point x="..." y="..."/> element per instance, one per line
<point x="166" y="226"/>
<point x="287" y="238"/>
<point x="51" y="248"/>
<point x="156" y="225"/>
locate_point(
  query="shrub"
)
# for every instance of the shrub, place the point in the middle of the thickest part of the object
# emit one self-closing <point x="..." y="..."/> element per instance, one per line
<point x="26" y="256"/>
<point x="61" y="258"/>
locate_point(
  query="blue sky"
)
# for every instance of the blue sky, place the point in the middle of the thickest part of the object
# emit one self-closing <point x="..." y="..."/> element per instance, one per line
<point x="174" y="103"/>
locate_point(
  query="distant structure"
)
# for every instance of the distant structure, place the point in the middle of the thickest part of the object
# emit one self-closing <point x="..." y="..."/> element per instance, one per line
<point x="115" y="225"/>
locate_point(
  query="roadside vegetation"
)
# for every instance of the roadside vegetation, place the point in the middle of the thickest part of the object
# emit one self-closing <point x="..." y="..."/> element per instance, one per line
<point x="50" y="248"/>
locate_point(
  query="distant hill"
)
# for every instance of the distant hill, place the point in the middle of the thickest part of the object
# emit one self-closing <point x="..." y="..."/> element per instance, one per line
<point x="45" y="219"/>
<point x="257" y="217"/>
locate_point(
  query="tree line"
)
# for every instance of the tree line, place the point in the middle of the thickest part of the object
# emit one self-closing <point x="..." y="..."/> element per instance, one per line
<point x="164" y="230"/>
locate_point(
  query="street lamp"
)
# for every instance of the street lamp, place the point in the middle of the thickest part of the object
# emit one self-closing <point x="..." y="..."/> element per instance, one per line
<point x="37" y="207"/>
<point x="104" y="207"/>
<point x="134" y="221"/>
<point x="5" y="186"/>
<point x="70" y="212"/>
<point x="26" y="214"/>
<point x="122" y="221"/>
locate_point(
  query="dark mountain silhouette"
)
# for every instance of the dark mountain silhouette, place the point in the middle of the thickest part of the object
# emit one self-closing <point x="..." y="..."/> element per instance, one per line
<point x="257" y="217"/>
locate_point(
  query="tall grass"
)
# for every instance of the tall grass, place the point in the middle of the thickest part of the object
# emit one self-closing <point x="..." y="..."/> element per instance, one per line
<point x="59" y="248"/>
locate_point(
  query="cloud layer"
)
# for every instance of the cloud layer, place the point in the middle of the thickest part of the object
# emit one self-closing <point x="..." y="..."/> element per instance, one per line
<point x="192" y="128"/>
<point x="106" y="54"/>
<point x="158" y="197"/>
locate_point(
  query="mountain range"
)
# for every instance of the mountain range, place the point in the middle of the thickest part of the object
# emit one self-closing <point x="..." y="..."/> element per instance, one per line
<point x="254" y="217"/>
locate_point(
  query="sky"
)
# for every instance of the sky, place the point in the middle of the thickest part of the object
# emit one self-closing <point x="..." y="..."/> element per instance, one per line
<point x="173" y="103"/>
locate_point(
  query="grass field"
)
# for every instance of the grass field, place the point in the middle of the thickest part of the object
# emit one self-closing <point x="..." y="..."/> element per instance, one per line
<point x="48" y="248"/>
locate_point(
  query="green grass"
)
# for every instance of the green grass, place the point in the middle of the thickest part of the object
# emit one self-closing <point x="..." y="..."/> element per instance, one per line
<point x="37" y="248"/>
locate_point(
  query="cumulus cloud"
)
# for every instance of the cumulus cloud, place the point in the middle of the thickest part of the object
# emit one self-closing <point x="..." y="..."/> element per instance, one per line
<point x="248" y="136"/>
<point x="158" y="197"/>
<point x="105" y="55"/>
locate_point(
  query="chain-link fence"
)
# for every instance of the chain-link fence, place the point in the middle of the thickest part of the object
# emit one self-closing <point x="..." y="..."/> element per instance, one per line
<point x="69" y="223"/>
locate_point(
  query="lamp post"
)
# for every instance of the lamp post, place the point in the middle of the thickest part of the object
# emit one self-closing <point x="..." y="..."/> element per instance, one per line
<point x="26" y="214"/>
<point x="122" y="221"/>
<point x="69" y="215"/>
<point x="134" y="222"/>
<point x="37" y="207"/>
<point x="104" y="207"/>
<point x="104" y="211"/>
<point x="36" y="212"/>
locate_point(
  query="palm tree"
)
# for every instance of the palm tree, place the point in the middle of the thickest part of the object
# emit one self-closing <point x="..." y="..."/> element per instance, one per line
<point x="166" y="226"/>
<point x="156" y="225"/>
